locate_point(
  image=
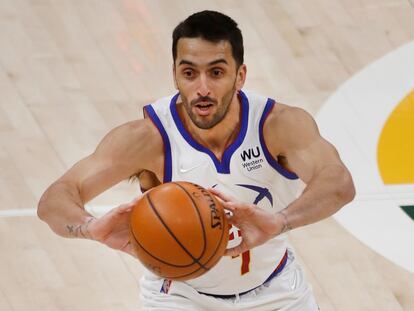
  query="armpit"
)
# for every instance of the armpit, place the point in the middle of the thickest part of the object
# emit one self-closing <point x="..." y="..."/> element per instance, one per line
<point x="147" y="180"/>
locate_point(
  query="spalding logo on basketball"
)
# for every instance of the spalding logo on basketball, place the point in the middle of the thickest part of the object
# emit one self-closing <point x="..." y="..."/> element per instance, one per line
<point x="370" y="119"/>
<point x="179" y="230"/>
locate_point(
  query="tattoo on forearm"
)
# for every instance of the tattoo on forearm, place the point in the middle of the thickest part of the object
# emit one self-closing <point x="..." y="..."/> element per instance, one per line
<point x="70" y="229"/>
<point x="77" y="231"/>
<point x="74" y="231"/>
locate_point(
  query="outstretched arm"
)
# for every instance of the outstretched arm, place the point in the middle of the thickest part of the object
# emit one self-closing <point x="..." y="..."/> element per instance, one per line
<point x="329" y="184"/>
<point x="293" y="138"/>
<point x="125" y="151"/>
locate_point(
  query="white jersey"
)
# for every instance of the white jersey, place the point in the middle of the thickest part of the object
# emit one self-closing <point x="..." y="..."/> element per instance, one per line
<point x="247" y="171"/>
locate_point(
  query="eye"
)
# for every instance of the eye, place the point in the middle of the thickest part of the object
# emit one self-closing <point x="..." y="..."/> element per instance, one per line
<point x="216" y="72"/>
<point x="188" y="73"/>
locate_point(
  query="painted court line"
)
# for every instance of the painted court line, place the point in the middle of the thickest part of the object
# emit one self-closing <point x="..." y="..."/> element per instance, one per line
<point x="96" y="210"/>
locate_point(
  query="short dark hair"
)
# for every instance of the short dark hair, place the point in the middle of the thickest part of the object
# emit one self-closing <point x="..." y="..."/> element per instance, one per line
<point x="212" y="26"/>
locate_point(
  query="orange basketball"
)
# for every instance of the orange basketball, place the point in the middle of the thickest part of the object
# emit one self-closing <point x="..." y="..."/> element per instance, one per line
<point x="179" y="230"/>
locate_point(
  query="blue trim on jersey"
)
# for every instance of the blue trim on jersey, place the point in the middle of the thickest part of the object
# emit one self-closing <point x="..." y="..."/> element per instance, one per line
<point x="222" y="166"/>
<point x="289" y="175"/>
<point x="167" y="146"/>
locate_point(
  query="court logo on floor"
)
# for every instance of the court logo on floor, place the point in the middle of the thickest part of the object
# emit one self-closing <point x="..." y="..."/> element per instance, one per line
<point x="370" y="119"/>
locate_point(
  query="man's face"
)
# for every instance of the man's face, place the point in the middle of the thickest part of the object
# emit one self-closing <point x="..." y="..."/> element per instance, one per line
<point x="205" y="73"/>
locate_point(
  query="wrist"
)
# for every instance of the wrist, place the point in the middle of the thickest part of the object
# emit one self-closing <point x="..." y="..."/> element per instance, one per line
<point x="285" y="225"/>
<point x="85" y="227"/>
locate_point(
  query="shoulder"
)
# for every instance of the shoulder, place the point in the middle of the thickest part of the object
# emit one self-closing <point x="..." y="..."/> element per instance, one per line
<point x="142" y="128"/>
<point x="283" y="115"/>
<point x="137" y="140"/>
<point x="287" y="126"/>
<point x="133" y="132"/>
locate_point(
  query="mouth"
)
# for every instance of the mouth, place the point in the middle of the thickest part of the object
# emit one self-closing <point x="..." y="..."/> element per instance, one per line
<point x="204" y="108"/>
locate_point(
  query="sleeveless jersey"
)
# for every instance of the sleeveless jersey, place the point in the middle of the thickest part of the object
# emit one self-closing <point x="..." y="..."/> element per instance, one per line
<point x="247" y="172"/>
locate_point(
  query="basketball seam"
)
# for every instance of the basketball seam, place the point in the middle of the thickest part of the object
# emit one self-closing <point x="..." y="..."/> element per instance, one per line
<point x="183" y="266"/>
<point x="173" y="235"/>
<point x="155" y="257"/>
<point x="211" y="257"/>
<point x="199" y="218"/>
<point x="160" y="260"/>
<point x="202" y="224"/>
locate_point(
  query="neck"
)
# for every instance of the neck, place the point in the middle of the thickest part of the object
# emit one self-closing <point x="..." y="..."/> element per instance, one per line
<point x="219" y="137"/>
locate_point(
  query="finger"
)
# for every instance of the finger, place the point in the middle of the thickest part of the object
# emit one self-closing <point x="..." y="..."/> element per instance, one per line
<point x="231" y="220"/>
<point x="236" y="209"/>
<point x="237" y="250"/>
<point x="221" y="195"/>
<point x="220" y="200"/>
<point x="124" y="208"/>
<point x="127" y="207"/>
<point x="229" y="206"/>
<point x="135" y="200"/>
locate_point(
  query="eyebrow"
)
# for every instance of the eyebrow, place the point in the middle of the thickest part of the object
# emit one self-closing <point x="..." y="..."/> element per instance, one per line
<point x="214" y="62"/>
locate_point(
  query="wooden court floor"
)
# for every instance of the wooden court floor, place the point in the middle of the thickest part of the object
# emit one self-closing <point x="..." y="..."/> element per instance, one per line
<point x="72" y="70"/>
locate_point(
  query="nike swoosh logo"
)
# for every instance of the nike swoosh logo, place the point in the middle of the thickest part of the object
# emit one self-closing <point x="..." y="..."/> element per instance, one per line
<point x="188" y="169"/>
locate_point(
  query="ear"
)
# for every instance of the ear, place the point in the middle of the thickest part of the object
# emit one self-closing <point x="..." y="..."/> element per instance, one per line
<point x="241" y="77"/>
<point x="174" y="77"/>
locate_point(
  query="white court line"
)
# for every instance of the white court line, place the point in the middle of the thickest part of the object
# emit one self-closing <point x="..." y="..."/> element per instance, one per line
<point x="96" y="210"/>
<point x="99" y="210"/>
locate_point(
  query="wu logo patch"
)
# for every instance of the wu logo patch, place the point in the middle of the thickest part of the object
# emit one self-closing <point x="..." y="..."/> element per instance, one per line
<point x="251" y="159"/>
<point x="250" y="153"/>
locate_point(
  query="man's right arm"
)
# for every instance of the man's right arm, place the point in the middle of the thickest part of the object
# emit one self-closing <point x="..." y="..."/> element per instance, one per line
<point x="124" y="151"/>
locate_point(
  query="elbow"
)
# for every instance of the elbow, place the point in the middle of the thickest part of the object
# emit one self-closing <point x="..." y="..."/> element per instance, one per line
<point x="347" y="190"/>
<point x="42" y="210"/>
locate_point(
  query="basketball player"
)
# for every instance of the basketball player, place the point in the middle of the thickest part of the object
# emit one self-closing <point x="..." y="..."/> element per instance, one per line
<point x="266" y="161"/>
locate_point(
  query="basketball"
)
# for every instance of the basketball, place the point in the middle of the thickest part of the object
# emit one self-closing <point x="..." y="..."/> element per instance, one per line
<point x="179" y="230"/>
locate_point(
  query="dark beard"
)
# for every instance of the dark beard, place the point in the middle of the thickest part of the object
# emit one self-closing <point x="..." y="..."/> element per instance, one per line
<point x="217" y="117"/>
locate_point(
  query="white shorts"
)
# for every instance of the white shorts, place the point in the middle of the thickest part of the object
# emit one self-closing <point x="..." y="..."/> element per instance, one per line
<point x="288" y="291"/>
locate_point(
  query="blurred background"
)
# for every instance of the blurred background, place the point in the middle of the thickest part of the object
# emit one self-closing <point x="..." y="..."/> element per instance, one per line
<point x="72" y="70"/>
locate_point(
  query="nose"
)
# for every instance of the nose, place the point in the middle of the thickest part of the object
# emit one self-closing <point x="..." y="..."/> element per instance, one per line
<point x="203" y="88"/>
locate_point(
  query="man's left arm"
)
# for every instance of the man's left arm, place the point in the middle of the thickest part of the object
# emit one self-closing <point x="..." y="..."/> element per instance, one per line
<point x="292" y="137"/>
<point x="329" y="184"/>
